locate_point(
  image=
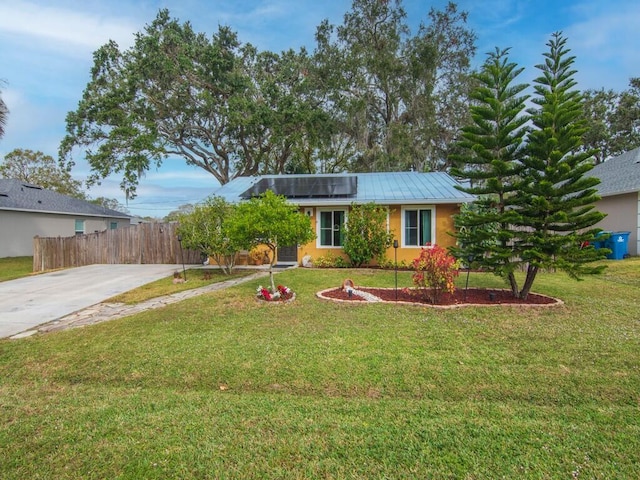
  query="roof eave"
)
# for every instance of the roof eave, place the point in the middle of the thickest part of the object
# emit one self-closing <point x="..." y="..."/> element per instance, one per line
<point x="619" y="192"/>
<point x="54" y="212"/>
<point x="349" y="201"/>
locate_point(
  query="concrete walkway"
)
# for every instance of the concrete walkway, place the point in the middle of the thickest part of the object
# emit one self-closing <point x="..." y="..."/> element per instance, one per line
<point x="101" y="312"/>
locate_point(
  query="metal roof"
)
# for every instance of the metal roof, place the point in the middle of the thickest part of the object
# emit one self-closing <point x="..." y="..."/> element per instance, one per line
<point x="618" y="175"/>
<point x="389" y="188"/>
<point x="17" y="195"/>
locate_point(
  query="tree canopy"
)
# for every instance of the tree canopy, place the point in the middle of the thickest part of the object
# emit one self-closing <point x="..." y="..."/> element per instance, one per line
<point x="493" y="149"/>
<point x="272" y="221"/>
<point x="212" y="102"/>
<point x="397" y="98"/>
<point x="371" y="97"/>
<point x="612" y="121"/>
<point x="206" y="228"/>
<point x="40" y="169"/>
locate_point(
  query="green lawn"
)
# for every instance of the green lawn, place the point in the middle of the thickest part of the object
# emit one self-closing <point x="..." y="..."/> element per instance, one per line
<point x="223" y="386"/>
<point x="15" y="267"/>
<point x="196" y="278"/>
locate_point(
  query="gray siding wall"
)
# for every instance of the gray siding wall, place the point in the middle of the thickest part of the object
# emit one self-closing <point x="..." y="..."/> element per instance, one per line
<point x="623" y="215"/>
<point x="17" y="229"/>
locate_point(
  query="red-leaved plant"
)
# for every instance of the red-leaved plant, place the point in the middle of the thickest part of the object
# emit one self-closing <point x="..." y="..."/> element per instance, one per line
<point x="435" y="272"/>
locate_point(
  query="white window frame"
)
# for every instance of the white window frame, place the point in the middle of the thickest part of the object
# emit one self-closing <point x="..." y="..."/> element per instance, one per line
<point x="75" y="226"/>
<point x="319" y="212"/>
<point x="411" y="208"/>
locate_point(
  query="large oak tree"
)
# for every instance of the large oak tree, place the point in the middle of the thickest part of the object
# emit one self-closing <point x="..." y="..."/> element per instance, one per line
<point x="177" y="94"/>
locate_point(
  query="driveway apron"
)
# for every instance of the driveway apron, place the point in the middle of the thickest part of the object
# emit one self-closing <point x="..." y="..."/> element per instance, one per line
<point x="31" y="301"/>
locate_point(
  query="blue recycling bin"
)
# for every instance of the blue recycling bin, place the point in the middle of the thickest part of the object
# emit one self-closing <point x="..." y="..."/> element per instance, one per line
<point x="618" y="243"/>
<point x="597" y="242"/>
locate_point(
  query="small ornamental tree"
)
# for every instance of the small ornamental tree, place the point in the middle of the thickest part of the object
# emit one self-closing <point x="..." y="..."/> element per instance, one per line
<point x="206" y="229"/>
<point x="434" y="273"/>
<point x="271" y="221"/>
<point x="366" y="233"/>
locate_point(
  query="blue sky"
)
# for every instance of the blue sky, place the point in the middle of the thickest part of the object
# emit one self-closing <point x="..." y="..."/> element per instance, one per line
<point x="46" y="51"/>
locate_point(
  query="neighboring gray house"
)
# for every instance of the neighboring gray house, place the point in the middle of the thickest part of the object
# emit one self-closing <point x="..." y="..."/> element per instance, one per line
<point x="27" y="211"/>
<point x="620" y="192"/>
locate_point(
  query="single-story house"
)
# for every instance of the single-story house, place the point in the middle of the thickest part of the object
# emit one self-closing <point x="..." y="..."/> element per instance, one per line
<point x="619" y="190"/>
<point x="420" y="206"/>
<point x="28" y="210"/>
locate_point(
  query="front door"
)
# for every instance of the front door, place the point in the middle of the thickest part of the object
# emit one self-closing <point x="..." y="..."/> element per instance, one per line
<point x="288" y="254"/>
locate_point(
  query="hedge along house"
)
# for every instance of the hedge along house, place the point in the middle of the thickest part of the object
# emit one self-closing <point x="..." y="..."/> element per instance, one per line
<point x="420" y="207"/>
<point x="619" y="190"/>
<point x="28" y="210"/>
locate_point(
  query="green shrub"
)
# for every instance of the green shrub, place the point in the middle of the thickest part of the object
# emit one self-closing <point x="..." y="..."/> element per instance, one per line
<point x="330" y="261"/>
<point x="366" y="234"/>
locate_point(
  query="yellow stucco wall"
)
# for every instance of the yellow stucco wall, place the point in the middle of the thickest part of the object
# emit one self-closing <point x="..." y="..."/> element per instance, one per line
<point x="443" y="228"/>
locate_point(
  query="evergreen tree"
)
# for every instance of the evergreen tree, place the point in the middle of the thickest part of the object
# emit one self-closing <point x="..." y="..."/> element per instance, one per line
<point x="492" y="150"/>
<point x="557" y="197"/>
<point x="536" y="201"/>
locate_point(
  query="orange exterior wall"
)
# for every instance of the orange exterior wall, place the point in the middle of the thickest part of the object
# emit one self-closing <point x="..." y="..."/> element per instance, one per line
<point x="444" y="226"/>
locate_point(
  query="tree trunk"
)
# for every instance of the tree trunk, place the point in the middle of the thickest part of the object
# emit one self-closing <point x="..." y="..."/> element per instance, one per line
<point x="531" y="276"/>
<point x="273" y="260"/>
<point x="514" y="284"/>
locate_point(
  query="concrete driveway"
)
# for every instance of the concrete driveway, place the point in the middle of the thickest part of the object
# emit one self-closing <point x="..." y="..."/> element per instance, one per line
<point x="28" y="302"/>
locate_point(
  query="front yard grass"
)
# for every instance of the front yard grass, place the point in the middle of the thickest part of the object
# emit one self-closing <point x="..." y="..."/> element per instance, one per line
<point x="15" y="267"/>
<point x="196" y="278"/>
<point x="225" y="386"/>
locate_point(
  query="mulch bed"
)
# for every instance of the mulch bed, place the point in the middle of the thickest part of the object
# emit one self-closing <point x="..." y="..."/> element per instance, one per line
<point x="471" y="296"/>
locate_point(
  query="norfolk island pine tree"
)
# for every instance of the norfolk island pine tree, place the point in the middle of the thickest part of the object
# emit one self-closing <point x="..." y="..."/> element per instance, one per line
<point x="533" y="183"/>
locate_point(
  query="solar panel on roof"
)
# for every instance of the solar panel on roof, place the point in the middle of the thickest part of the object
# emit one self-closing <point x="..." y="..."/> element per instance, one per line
<point x="306" y="187"/>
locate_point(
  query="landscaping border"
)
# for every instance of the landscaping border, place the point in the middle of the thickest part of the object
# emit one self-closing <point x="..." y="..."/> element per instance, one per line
<point x="556" y="301"/>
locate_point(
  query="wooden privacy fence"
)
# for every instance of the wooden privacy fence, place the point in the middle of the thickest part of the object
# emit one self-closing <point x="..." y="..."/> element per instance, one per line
<point x="147" y="243"/>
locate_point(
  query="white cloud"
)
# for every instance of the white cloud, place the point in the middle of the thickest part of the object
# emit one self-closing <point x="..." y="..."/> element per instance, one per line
<point x="66" y="27"/>
<point x="605" y="44"/>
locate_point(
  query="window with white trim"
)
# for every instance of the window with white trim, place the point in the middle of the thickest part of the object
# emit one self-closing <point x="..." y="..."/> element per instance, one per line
<point x="418" y="226"/>
<point x="79" y="227"/>
<point x="331" y="228"/>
